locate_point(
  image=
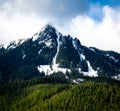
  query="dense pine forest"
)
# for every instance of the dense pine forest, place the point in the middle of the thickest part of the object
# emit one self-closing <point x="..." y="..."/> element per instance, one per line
<point x="35" y="96"/>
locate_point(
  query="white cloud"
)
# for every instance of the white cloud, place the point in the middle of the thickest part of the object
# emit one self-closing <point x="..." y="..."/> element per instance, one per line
<point x="104" y="35"/>
<point x="19" y="26"/>
<point x="22" y="22"/>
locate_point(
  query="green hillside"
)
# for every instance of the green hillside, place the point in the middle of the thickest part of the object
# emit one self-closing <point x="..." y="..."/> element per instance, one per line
<point x="87" y="96"/>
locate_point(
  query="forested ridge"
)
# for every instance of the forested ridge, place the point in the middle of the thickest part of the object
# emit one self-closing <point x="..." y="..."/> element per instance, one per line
<point x="34" y="96"/>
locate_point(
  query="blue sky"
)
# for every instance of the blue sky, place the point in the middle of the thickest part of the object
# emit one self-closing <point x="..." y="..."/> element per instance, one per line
<point x="112" y="3"/>
<point x="94" y="22"/>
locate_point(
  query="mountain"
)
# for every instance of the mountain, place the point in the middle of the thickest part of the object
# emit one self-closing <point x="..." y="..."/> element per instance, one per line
<point x="49" y="53"/>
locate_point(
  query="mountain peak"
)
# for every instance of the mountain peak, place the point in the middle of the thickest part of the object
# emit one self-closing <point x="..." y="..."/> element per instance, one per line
<point x="47" y="30"/>
<point x="47" y="27"/>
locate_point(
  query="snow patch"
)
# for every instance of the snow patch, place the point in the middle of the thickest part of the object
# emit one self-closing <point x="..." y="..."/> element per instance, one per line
<point x="74" y="44"/>
<point x="23" y="56"/>
<point x="82" y="57"/>
<point x="45" y="69"/>
<point x="116" y="77"/>
<point x="48" y="70"/>
<point x="39" y="52"/>
<point x="78" y="80"/>
<point x="48" y="43"/>
<point x="92" y="49"/>
<point x="107" y="54"/>
<point x="98" y="68"/>
<point x="35" y="36"/>
<point x="112" y="58"/>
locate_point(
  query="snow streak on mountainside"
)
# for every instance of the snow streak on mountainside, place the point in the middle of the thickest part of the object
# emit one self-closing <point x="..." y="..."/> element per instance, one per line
<point x="58" y="48"/>
<point x="75" y="46"/>
<point x="91" y="72"/>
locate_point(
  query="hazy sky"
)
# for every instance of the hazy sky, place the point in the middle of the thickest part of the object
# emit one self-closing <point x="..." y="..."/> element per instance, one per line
<point x="94" y="22"/>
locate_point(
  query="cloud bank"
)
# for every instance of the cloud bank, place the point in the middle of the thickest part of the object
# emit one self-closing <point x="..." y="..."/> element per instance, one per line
<point x="104" y="34"/>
